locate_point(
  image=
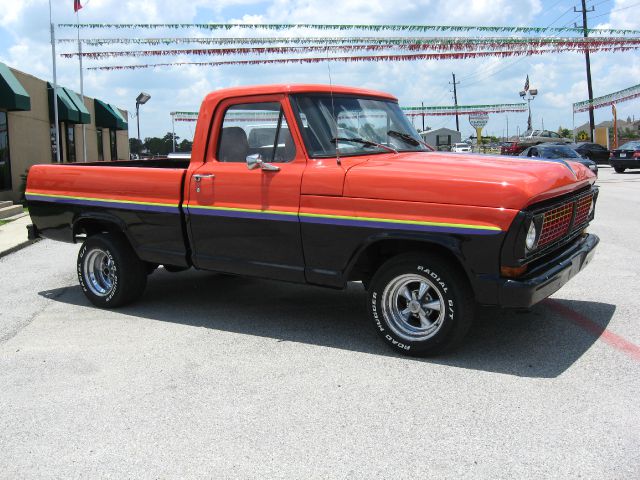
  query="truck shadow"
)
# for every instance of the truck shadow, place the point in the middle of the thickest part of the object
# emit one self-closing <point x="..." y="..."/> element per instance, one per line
<point x="536" y="343"/>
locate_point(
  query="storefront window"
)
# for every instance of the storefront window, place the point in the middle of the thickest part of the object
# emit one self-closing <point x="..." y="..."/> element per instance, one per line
<point x="5" y="163"/>
<point x="113" y="144"/>
<point x="100" y="145"/>
<point x="71" y="143"/>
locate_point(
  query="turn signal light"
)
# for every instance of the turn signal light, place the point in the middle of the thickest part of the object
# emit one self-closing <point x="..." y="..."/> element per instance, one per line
<point x="513" y="272"/>
<point x="636" y="155"/>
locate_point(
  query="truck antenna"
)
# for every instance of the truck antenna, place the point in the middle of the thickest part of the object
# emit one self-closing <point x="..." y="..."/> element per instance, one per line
<point x="333" y="109"/>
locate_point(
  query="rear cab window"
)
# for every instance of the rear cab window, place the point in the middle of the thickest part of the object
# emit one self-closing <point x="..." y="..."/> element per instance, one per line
<point x="255" y="129"/>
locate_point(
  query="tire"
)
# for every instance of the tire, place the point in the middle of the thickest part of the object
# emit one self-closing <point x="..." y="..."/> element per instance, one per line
<point x="410" y="327"/>
<point x="619" y="169"/>
<point x="109" y="271"/>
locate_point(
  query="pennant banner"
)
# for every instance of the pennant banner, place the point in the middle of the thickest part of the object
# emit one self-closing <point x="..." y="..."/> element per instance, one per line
<point x="366" y="58"/>
<point x="464" y="109"/>
<point x="343" y="27"/>
<point x="607" y="100"/>
<point x="539" y="41"/>
<point x="571" y="44"/>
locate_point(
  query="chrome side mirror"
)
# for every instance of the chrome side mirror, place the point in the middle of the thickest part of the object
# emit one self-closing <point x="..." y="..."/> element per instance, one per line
<point x="254" y="161"/>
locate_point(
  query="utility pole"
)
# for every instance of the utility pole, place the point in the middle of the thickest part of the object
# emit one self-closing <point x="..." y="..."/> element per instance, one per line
<point x="455" y="99"/>
<point x="584" y="12"/>
<point x="423" y="116"/>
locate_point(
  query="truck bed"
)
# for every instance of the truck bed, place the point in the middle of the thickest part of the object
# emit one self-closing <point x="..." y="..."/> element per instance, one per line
<point x="142" y="197"/>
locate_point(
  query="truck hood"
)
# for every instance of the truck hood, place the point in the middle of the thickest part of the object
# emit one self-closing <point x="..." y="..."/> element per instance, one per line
<point x="478" y="180"/>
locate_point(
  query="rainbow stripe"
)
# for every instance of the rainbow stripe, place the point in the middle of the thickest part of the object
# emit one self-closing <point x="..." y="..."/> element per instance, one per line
<point x="344" y="220"/>
<point x="275" y="215"/>
<point x="103" y="202"/>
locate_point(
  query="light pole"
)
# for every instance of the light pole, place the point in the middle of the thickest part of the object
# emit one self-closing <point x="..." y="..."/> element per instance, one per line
<point x="532" y="94"/>
<point x="140" y="100"/>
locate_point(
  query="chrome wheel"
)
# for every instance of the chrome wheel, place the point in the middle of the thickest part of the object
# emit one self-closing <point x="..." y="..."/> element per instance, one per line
<point x="99" y="271"/>
<point x="413" y="307"/>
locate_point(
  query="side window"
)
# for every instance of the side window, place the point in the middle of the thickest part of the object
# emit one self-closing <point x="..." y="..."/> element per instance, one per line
<point x="554" y="135"/>
<point x="255" y="129"/>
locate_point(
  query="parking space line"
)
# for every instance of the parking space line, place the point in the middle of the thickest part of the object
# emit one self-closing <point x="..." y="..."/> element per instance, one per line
<point x="614" y="340"/>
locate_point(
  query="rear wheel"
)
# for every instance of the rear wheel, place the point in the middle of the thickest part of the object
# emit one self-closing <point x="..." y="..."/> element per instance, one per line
<point x="109" y="271"/>
<point x="420" y="304"/>
<point x="619" y="169"/>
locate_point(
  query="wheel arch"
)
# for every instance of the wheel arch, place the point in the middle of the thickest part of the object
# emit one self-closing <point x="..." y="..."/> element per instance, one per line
<point x="95" y="223"/>
<point x="378" y="249"/>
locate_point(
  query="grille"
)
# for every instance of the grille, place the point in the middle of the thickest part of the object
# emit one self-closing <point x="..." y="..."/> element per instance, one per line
<point x="583" y="205"/>
<point x="565" y="219"/>
<point x="556" y="224"/>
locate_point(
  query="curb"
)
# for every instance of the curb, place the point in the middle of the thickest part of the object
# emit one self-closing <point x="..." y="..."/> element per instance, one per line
<point x="17" y="247"/>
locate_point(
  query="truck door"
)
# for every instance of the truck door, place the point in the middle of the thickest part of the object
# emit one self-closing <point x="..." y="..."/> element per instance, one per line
<point x="245" y="220"/>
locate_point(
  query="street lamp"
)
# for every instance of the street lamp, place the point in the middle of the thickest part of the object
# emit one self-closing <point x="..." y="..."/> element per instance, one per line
<point x="140" y="100"/>
<point x="532" y="94"/>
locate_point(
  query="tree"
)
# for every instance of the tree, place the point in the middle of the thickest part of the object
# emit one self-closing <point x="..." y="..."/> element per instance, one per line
<point x="564" y="132"/>
<point x="160" y="146"/>
<point x="185" y="146"/>
<point x="135" y="146"/>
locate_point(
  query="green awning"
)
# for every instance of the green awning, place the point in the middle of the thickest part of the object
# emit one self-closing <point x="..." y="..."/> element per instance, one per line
<point x="67" y="110"/>
<point x="13" y="96"/>
<point x="108" y="116"/>
<point x="85" y="116"/>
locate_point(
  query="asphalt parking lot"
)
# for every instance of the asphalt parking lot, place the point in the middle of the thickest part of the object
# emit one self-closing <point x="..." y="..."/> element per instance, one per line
<point x="222" y="377"/>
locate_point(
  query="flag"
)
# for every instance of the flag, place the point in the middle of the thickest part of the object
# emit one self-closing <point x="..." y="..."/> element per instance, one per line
<point x="526" y="83"/>
<point x="76" y="5"/>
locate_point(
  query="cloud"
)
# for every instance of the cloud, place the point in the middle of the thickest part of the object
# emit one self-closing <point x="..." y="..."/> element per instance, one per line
<point x="24" y="44"/>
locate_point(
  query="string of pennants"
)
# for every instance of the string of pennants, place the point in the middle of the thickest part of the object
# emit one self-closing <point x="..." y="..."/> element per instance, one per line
<point x="409" y="111"/>
<point x="608" y="100"/>
<point x="266" y="50"/>
<point x="464" y="109"/>
<point x="551" y="45"/>
<point x="346" y="27"/>
<point x="355" y="59"/>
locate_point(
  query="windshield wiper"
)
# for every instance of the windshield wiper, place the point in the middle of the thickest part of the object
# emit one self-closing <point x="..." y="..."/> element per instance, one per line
<point x="408" y="139"/>
<point x="362" y="141"/>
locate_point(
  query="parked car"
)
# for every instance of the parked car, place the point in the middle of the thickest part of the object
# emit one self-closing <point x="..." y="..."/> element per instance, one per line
<point x="559" y="151"/>
<point x="626" y="156"/>
<point x="592" y="151"/>
<point x="377" y="209"/>
<point x="461" y="148"/>
<point x="535" y="137"/>
<point x="511" y="148"/>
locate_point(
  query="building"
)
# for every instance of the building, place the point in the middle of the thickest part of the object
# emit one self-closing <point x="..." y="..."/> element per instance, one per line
<point x="26" y="128"/>
<point x="441" y="138"/>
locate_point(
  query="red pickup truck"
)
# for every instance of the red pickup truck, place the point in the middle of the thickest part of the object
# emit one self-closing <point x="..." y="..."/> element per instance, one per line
<point x="327" y="185"/>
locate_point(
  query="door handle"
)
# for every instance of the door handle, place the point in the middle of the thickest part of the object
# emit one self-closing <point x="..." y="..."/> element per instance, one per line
<point x="198" y="177"/>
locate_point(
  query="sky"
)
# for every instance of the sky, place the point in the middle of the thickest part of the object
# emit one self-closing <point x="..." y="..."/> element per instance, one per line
<point x="559" y="78"/>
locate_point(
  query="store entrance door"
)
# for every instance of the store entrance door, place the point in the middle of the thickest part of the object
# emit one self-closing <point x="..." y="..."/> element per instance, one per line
<point x="5" y="162"/>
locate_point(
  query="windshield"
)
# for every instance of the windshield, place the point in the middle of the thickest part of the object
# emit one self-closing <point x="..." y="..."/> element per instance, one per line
<point x="558" y="152"/>
<point x="630" y="146"/>
<point x="373" y="124"/>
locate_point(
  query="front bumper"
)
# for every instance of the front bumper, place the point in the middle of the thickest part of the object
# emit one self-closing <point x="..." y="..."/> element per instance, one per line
<point x="546" y="279"/>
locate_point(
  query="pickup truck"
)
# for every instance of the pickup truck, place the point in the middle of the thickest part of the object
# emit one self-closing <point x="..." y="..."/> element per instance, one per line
<point x="327" y="185"/>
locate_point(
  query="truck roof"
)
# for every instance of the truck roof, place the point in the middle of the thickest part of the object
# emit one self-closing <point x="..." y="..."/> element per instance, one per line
<point x="225" y="93"/>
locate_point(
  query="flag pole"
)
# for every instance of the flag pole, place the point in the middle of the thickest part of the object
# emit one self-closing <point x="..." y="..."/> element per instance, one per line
<point x="55" y="87"/>
<point x="84" y="130"/>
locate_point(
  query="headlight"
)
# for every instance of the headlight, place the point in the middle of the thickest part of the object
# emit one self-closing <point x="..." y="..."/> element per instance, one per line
<point x="530" y="241"/>
<point x="592" y="168"/>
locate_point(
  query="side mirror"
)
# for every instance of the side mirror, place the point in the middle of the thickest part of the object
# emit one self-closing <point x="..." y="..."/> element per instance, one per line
<point x="254" y="161"/>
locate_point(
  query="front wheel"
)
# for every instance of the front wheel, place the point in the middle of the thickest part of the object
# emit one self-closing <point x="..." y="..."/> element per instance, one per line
<point x="619" y="169"/>
<point x="420" y="304"/>
<point x="109" y="271"/>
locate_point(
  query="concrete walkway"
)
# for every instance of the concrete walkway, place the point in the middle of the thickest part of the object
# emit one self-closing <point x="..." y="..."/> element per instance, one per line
<point x="13" y="235"/>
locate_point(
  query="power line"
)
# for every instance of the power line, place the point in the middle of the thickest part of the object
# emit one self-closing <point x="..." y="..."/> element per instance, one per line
<point x="616" y="10"/>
